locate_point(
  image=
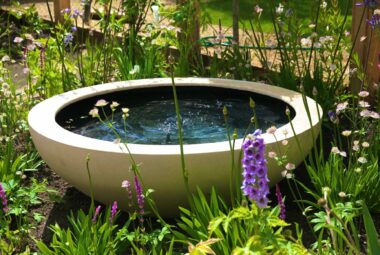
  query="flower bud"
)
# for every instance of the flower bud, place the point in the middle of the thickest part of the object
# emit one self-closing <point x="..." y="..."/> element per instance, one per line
<point x="322" y="202"/>
<point x="225" y="111"/>
<point x="287" y="111"/>
<point x="251" y="103"/>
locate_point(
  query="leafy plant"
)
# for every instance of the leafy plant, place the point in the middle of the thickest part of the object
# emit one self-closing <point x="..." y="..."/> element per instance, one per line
<point x="239" y="230"/>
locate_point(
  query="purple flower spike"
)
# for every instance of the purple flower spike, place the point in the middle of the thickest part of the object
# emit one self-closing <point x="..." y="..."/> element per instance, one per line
<point x="280" y="202"/>
<point x="139" y="195"/>
<point x="374" y="21"/>
<point x="66" y="11"/>
<point x="255" y="178"/>
<point x="76" y="13"/>
<point x="68" y="38"/>
<point x="3" y="199"/>
<point x="113" y="211"/>
<point x="96" y="214"/>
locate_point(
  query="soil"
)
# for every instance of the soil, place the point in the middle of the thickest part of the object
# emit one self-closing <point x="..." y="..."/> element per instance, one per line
<point x="56" y="209"/>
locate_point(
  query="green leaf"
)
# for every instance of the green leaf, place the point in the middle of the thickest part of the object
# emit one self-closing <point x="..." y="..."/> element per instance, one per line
<point x="273" y="221"/>
<point x="372" y="237"/>
<point x="38" y="217"/>
<point x="44" y="249"/>
<point x="214" y="224"/>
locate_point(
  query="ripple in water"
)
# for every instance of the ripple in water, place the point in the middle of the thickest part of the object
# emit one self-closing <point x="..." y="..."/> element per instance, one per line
<point x="152" y="117"/>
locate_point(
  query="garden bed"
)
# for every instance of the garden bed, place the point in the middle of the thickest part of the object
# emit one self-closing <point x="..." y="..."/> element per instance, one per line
<point x="336" y="187"/>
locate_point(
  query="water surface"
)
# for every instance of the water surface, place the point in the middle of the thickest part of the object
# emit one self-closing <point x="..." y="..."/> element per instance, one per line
<point x="152" y="118"/>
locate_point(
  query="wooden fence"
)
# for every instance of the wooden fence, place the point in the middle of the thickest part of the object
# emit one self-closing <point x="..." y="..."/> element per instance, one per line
<point x="367" y="46"/>
<point x="368" y="49"/>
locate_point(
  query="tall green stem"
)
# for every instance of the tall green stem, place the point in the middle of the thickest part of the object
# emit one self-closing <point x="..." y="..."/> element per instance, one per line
<point x="185" y="173"/>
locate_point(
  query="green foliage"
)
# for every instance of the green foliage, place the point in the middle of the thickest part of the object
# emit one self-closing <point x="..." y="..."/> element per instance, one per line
<point x="242" y="230"/>
<point x="372" y="236"/>
<point x="84" y="237"/>
<point x="139" y="58"/>
<point x="99" y="234"/>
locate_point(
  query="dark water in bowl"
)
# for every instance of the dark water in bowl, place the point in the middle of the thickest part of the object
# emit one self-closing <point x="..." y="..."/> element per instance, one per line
<point x="152" y="117"/>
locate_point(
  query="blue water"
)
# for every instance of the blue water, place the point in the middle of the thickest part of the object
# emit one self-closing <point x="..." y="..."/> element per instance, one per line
<point x="153" y="121"/>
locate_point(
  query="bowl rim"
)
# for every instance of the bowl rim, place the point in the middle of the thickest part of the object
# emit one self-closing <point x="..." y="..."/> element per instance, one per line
<point x="42" y="116"/>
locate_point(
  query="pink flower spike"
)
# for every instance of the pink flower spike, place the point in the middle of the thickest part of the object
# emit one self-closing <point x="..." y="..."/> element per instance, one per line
<point x="96" y="214"/>
<point x="113" y="211"/>
<point x="280" y="202"/>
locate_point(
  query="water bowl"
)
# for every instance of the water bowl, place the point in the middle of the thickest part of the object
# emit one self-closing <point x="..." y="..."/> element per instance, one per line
<point x="66" y="135"/>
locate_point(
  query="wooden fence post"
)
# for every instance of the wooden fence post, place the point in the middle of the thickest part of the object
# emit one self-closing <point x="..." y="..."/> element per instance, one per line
<point x="60" y="5"/>
<point x="368" y="49"/>
<point x="235" y="20"/>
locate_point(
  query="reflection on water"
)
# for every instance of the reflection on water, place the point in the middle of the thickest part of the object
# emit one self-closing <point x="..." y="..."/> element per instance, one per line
<point x="154" y="121"/>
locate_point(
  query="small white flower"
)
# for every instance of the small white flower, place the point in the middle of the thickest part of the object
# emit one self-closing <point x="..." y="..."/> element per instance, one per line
<point x="362" y="160"/>
<point x="365" y="144"/>
<point x="324" y="5"/>
<point x="290" y="166"/>
<point x="375" y="115"/>
<point x="363" y="38"/>
<point x="284" y="142"/>
<point x="363" y="93"/>
<point x="280" y="9"/>
<point x="18" y="39"/>
<point x="272" y="154"/>
<point x="364" y="104"/>
<point x="114" y="105"/>
<point x="94" y="112"/>
<point x="271" y="130"/>
<point x="365" y="113"/>
<point x="125" y="112"/>
<point x="258" y="9"/>
<point x="285" y="132"/>
<point x="306" y="42"/>
<point x="135" y="70"/>
<point x="335" y="150"/>
<point x="289" y="176"/>
<point x="341" y="107"/>
<point x="346" y="132"/>
<point x="317" y="45"/>
<point x="355" y="147"/>
<point x="343" y="153"/>
<point x="342" y="194"/>
<point x="5" y="58"/>
<point x="125" y="184"/>
<point x="101" y="103"/>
